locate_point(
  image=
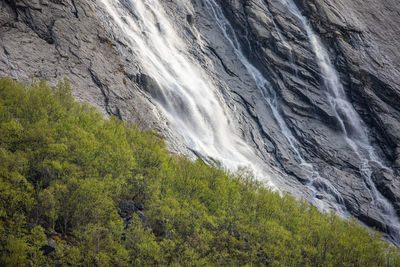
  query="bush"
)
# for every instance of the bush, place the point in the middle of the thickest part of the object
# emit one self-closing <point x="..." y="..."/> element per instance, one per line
<point x="64" y="170"/>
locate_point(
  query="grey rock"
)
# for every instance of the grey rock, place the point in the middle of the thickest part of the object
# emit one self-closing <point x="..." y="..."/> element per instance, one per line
<point x="143" y="218"/>
<point x="126" y="208"/>
<point x="361" y="46"/>
<point x="388" y="185"/>
<point x="49" y="247"/>
<point x="139" y="206"/>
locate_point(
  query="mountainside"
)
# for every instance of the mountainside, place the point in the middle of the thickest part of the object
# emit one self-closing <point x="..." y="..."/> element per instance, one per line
<point x="305" y="92"/>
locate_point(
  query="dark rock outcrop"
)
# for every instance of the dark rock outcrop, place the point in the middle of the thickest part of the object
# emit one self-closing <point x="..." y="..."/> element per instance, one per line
<point x="126" y="209"/>
<point x="49" y="247"/>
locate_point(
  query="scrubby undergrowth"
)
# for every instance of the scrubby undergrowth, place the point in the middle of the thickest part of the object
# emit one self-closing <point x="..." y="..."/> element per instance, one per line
<point x="65" y="171"/>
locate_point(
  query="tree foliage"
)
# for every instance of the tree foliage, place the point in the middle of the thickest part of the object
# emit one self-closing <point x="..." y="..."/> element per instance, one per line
<point x="64" y="170"/>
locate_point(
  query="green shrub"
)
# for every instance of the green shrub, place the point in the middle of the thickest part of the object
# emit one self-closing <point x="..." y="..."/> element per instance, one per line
<point x="65" y="170"/>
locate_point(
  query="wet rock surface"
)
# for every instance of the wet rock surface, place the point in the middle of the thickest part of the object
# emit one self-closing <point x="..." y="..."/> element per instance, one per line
<point x="363" y="42"/>
<point x="77" y="40"/>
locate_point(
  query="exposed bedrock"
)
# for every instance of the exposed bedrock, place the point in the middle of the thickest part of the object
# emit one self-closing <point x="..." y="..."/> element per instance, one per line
<point x="362" y="41"/>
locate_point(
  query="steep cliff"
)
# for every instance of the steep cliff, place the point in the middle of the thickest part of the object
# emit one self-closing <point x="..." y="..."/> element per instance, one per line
<point x="363" y="44"/>
<point x="305" y="91"/>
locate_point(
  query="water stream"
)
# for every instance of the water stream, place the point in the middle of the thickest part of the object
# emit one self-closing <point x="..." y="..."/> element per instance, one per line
<point x="186" y="95"/>
<point x="270" y="97"/>
<point x="353" y="128"/>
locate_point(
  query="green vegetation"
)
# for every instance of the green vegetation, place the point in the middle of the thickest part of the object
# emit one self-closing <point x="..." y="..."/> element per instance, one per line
<point x="64" y="170"/>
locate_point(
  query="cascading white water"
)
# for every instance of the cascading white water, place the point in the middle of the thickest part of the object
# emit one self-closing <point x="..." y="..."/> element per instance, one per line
<point x="352" y="125"/>
<point x="267" y="91"/>
<point x="187" y="97"/>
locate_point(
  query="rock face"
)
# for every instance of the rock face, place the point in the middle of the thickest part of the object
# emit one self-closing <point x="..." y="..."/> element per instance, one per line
<point x="54" y="39"/>
<point x="259" y="58"/>
<point x="362" y="46"/>
<point x="126" y="209"/>
<point x="364" y="36"/>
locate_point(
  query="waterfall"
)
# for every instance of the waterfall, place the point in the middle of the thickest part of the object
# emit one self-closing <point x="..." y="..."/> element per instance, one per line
<point x="270" y="97"/>
<point x="352" y="126"/>
<point x="193" y="107"/>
